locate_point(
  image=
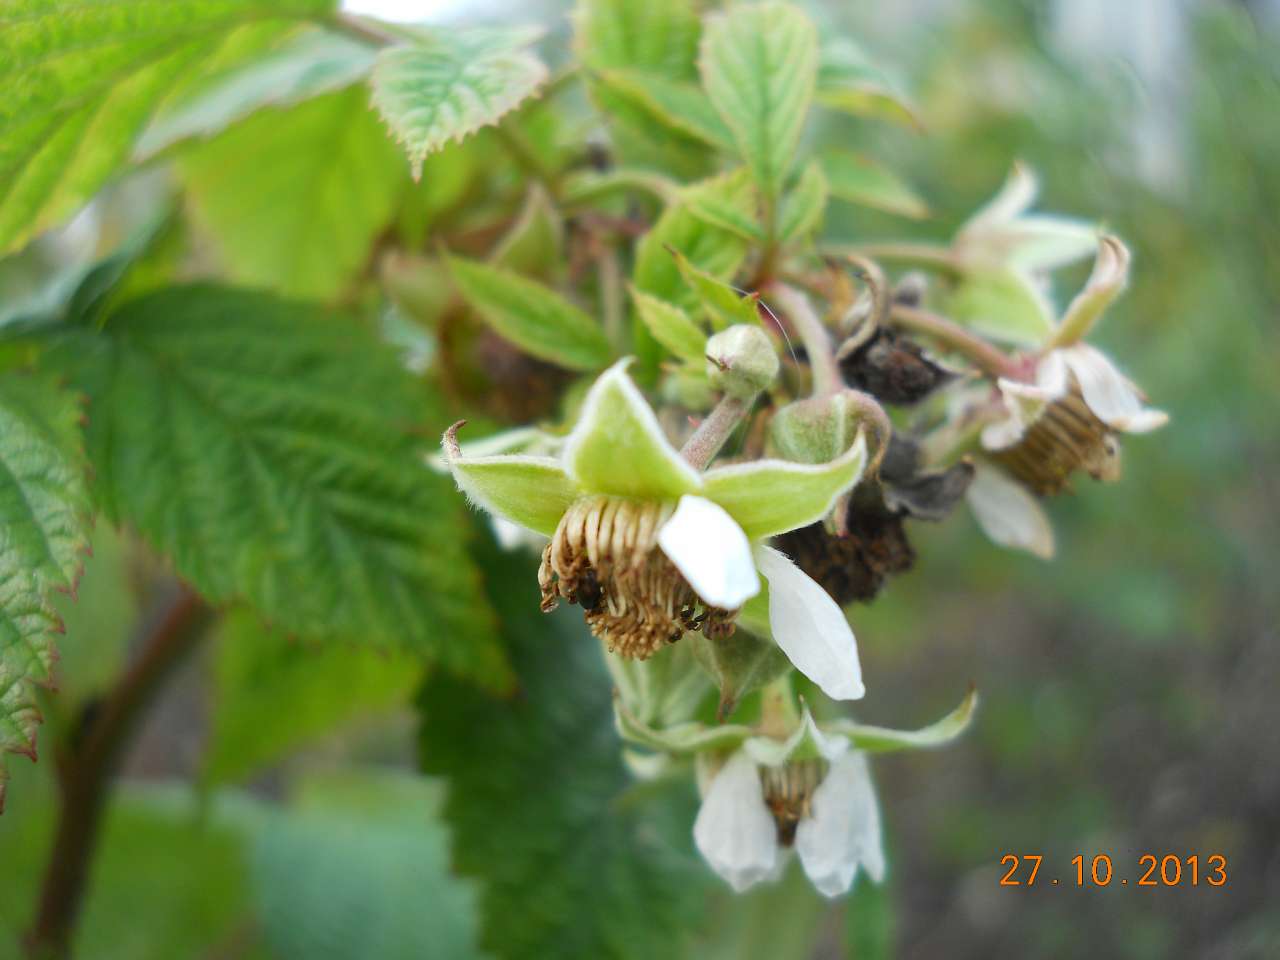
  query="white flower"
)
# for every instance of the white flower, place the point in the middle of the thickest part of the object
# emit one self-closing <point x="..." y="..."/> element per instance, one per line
<point x="618" y="498"/>
<point x="838" y="831"/>
<point x="1075" y="404"/>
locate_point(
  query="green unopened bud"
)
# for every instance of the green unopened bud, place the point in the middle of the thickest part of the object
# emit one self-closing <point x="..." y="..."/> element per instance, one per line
<point x="738" y="664"/>
<point x="741" y="361"/>
<point x="816" y="430"/>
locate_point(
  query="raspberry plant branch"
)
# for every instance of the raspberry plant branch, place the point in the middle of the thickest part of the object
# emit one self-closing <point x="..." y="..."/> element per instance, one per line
<point x="168" y="634"/>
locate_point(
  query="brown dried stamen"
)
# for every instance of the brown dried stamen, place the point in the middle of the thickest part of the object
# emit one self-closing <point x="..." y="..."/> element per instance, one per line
<point x="788" y="791"/>
<point x="1068" y="436"/>
<point x="605" y="556"/>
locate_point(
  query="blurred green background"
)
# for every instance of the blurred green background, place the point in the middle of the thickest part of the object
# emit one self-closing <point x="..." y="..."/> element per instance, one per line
<point x="1130" y="687"/>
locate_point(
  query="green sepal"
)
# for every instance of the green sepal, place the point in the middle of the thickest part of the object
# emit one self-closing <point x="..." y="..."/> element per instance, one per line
<point x="618" y="447"/>
<point x="534" y="492"/>
<point x="1004" y="304"/>
<point x="739" y="664"/>
<point x="768" y="497"/>
<point x="886" y="740"/>
<point x="681" y="738"/>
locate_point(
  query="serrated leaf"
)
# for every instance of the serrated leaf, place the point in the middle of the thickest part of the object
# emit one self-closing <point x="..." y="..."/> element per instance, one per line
<point x="543" y="870"/>
<point x="653" y="39"/>
<point x="723" y="304"/>
<point x="81" y="82"/>
<point x="657" y="37"/>
<point x="44" y="519"/>
<point x="272" y="695"/>
<point x="306" y="66"/>
<point x="861" y="180"/>
<point x="759" y="64"/>
<point x="804" y="206"/>
<point x="698" y="225"/>
<point x="532" y="316"/>
<point x="293" y="198"/>
<point x="1004" y="304"/>
<point x="264" y="446"/>
<point x="453" y="83"/>
<point x="679" y="106"/>
<point x="850" y="82"/>
<point x="671" y="327"/>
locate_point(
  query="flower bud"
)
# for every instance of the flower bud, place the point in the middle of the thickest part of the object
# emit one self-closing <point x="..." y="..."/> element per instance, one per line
<point x="816" y="430"/>
<point x="741" y="361"/>
<point x="739" y="664"/>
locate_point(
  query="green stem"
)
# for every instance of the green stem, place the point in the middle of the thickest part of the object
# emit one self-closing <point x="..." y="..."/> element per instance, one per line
<point x="779" y="714"/>
<point x="957" y="338"/>
<point x="813" y="334"/>
<point x="701" y="448"/>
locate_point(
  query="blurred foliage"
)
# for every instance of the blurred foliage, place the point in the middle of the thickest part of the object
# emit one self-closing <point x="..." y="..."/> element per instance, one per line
<point x="1129" y="702"/>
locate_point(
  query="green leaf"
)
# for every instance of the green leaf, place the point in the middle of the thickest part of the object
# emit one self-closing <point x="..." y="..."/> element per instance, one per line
<point x="533" y="317"/>
<point x="723" y="304"/>
<point x="680" y="106"/>
<point x="618" y="448"/>
<point x="44" y="519"/>
<point x="308" y="65"/>
<point x="619" y="42"/>
<point x="587" y="186"/>
<point x="671" y="327"/>
<point x="453" y="83"/>
<point x="712" y="247"/>
<point x="848" y="81"/>
<point x="265" y="446"/>
<point x="81" y="82"/>
<point x="534" y="246"/>
<point x="658" y="37"/>
<point x="1004" y="304"/>
<point x="804" y="206"/>
<point x="759" y="64"/>
<point x="860" y="180"/>
<point x="294" y="198"/>
<point x="593" y="868"/>
<point x="359" y="870"/>
<point x="769" y="497"/>
<point x="273" y="695"/>
<point x="729" y="202"/>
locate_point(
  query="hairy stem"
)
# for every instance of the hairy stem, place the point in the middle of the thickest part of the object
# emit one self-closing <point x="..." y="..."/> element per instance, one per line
<point x="813" y="334"/>
<point x="701" y="448"/>
<point x="167" y="634"/>
<point x="957" y="338"/>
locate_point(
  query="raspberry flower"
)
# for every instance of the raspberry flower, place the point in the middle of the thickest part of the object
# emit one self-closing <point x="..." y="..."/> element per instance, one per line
<point x="1064" y="419"/>
<point x="652" y="547"/>
<point x="763" y="795"/>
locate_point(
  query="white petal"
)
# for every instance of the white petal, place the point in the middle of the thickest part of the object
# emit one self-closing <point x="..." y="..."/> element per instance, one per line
<point x="810" y="627"/>
<point x="1008" y="513"/>
<point x="1051" y="374"/>
<point x="1025" y="402"/>
<point x="1107" y="391"/>
<point x="842" y="831"/>
<point x="734" y="830"/>
<point x="711" y="552"/>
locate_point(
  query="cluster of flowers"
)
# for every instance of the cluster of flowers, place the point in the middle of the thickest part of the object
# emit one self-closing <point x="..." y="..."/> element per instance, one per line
<point x="699" y="570"/>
